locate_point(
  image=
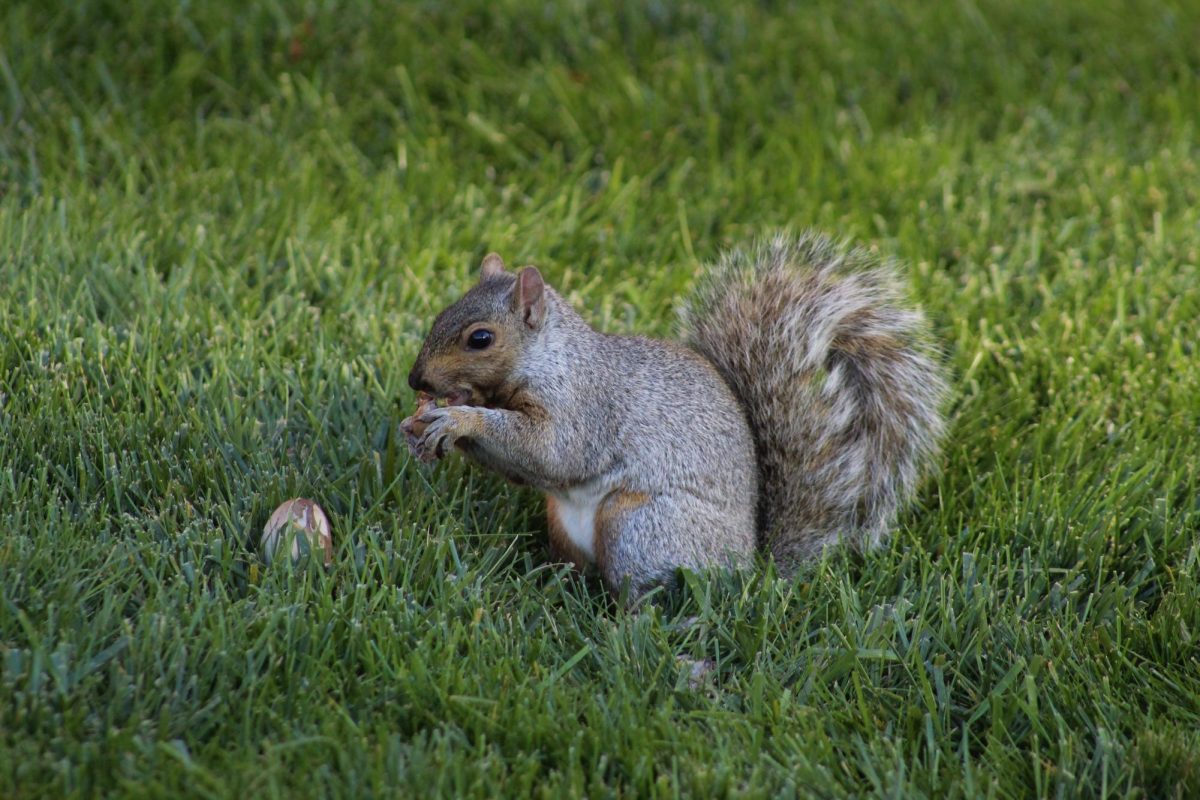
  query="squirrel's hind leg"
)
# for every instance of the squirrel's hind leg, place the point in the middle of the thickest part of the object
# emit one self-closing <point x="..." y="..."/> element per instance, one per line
<point x="643" y="539"/>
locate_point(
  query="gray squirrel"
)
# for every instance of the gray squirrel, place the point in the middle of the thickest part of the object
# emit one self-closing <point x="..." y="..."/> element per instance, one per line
<point x="801" y="409"/>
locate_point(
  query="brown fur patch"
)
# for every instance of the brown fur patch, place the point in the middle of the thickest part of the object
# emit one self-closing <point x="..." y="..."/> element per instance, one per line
<point x="516" y="398"/>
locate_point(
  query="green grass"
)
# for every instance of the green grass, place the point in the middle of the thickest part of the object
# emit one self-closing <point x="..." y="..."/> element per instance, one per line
<point x="223" y="231"/>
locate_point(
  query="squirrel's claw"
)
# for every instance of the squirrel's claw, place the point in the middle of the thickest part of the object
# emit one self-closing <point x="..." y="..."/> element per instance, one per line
<point x="412" y="429"/>
<point x="431" y="434"/>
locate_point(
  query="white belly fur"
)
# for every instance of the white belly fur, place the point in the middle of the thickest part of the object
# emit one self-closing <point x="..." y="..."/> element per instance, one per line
<point x="576" y="511"/>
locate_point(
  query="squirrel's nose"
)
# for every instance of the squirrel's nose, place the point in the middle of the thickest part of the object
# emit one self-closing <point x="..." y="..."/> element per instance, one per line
<point x="416" y="382"/>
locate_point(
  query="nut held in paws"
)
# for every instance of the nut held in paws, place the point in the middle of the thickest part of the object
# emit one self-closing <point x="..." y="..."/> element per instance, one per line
<point x="293" y="520"/>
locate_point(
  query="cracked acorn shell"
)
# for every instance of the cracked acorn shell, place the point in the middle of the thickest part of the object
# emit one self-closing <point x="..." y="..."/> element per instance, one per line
<point x="297" y="518"/>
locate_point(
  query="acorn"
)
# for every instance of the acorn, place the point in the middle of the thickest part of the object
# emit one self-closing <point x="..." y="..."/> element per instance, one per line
<point x="299" y="517"/>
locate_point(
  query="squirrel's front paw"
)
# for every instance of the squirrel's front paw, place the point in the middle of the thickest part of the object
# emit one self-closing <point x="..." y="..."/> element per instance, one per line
<point x="431" y="434"/>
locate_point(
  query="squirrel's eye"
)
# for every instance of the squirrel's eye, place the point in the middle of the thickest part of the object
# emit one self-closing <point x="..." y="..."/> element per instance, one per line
<point x="480" y="339"/>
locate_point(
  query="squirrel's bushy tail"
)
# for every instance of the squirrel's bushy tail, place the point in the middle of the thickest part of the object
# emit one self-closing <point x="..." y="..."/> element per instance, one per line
<point x="841" y="386"/>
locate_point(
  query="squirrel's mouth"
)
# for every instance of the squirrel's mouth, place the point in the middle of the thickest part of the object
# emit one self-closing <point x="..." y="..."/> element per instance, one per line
<point x="460" y="397"/>
<point x="463" y="396"/>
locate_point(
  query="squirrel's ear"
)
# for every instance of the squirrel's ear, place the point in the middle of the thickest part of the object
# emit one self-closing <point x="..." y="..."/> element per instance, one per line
<point x="492" y="266"/>
<point x="529" y="296"/>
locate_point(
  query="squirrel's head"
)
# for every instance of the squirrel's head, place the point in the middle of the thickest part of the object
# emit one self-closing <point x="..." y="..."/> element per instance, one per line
<point x="471" y="351"/>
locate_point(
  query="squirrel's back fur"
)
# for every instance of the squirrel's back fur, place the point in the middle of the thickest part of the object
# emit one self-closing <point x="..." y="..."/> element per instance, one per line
<point x="839" y="382"/>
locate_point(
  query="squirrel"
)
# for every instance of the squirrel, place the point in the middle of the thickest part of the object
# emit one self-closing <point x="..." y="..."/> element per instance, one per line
<point x="800" y="409"/>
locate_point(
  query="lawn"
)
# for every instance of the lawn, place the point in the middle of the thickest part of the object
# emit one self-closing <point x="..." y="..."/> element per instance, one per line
<point x="224" y="228"/>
